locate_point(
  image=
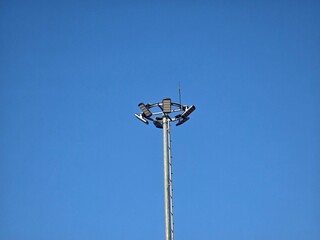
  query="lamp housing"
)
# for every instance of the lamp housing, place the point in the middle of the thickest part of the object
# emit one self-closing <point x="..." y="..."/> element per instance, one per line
<point x="188" y="111"/>
<point x="157" y="124"/>
<point x="166" y="105"/>
<point x="145" y="110"/>
<point x="141" y="118"/>
<point x="182" y="121"/>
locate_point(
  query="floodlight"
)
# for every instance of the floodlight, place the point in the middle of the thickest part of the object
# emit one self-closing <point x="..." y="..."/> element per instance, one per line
<point x="144" y="109"/>
<point x="188" y="111"/>
<point x="166" y="105"/>
<point x="157" y="124"/>
<point x="141" y="118"/>
<point x="182" y="121"/>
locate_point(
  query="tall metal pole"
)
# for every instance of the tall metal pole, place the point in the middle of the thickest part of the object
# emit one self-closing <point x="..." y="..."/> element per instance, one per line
<point x="167" y="107"/>
<point x="167" y="202"/>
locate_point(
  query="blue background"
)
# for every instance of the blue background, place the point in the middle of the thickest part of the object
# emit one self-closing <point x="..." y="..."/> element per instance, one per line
<point x="76" y="164"/>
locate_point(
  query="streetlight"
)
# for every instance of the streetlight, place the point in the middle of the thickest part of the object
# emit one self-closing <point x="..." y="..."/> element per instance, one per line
<point x="162" y="119"/>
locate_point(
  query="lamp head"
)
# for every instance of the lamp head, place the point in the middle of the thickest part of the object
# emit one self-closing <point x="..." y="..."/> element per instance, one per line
<point x="141" y="118"/>
<point x="145" y="110"/>
<point x="182" y="121"/>
<point x="157" y="124"/>
<point x="166" y="105"/>
<point x="188" y="111"/>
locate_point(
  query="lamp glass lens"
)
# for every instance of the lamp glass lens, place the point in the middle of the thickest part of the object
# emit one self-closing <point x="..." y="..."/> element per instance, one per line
<point x="166" y="105"/>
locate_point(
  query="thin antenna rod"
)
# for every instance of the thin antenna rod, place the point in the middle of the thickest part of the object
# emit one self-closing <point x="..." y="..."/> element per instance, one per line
<point x="179" y="94"/>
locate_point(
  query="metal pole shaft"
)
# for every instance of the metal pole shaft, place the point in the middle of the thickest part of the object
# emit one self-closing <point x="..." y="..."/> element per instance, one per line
<point x="167" y="206"/>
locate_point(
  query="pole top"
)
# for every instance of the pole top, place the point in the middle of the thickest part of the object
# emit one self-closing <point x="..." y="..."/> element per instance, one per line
<point x="174" y="112"/>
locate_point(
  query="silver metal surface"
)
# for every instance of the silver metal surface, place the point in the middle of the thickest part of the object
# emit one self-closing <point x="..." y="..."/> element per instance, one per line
<point x="167" y="202"/>
<point x="170" y="183"/>
<point x="168" y="113"/>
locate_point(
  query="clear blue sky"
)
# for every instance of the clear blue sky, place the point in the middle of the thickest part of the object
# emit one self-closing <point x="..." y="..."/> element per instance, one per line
<point x="76" y="164"/>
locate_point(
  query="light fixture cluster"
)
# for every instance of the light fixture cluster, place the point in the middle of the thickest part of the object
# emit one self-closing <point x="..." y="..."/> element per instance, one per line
<point x="168" y="109"/>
